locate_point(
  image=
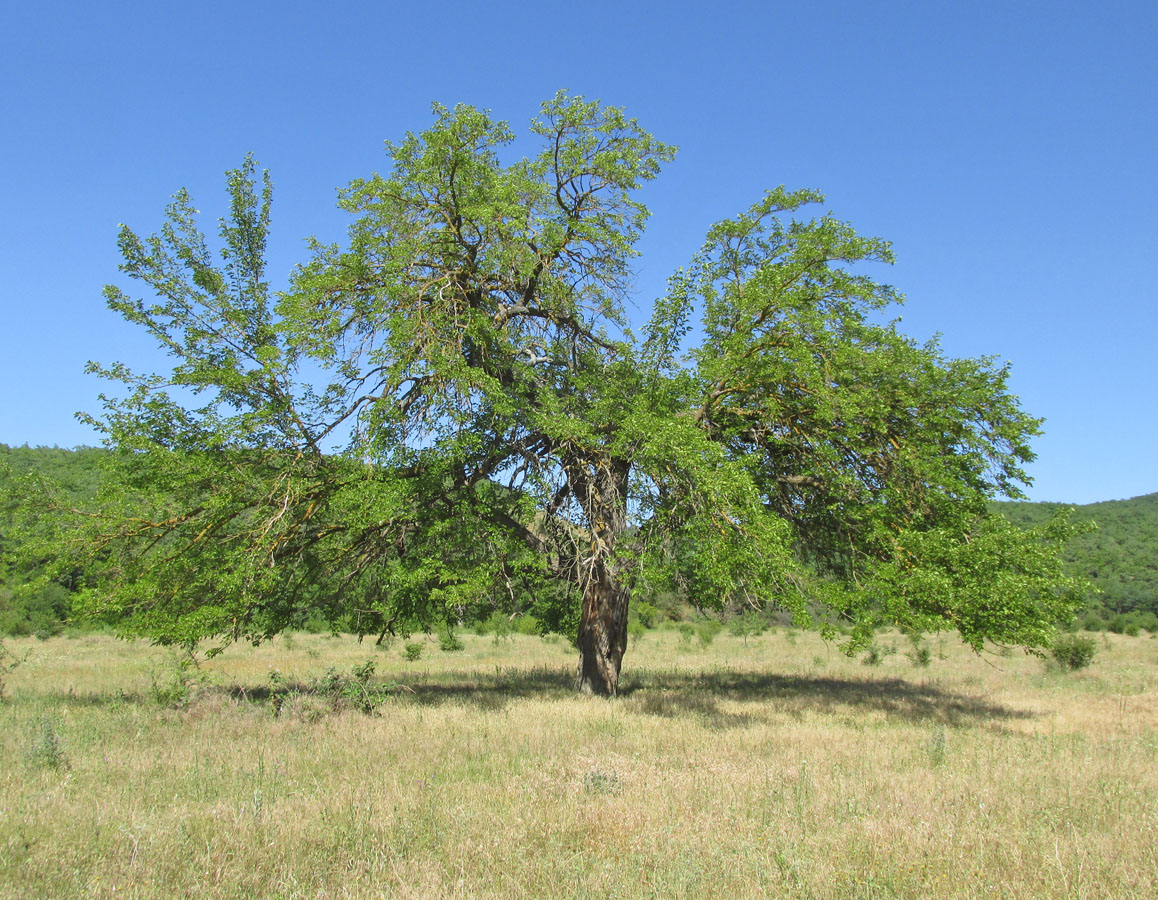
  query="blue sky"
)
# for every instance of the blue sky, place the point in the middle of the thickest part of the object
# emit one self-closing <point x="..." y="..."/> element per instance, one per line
<point x="1007" y="149"/>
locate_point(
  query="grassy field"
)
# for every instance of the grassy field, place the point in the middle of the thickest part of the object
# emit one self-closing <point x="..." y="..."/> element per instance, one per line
<point x="771" y="768"/>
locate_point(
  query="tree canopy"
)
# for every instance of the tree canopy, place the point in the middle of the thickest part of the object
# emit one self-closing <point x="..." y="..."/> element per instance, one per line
<point x="454" y="404"/>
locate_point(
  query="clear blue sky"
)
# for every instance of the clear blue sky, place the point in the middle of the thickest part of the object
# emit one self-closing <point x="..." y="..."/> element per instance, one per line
<point x="1007" y="149"/>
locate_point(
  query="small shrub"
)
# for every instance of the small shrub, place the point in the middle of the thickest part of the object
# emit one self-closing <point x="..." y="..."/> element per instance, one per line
<point x="44" y="749"/>
<point x="528" y="625"/>
<point x="363" y="673"/>
<point x="876" y="653"/>
<point x="171" y="686"/>
<point x="920" y="656"/>
<point x="686" y="630"/>
<point x="707" y="630"/>
<point x="413" y="651"/>
<point x="449" y="642"/>
<point x="748" y="624"/>
<point x="635" y="632"/>
<point x="498" y="625"/>
<point x="277" y="692"/>
<point x="353" y="690"/>
<point x="1073" y="652"/>
<point x="599" y="782"/>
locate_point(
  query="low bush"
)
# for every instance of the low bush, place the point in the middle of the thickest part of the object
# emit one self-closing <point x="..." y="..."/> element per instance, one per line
<point x="343" y="691"/>
<point x="876" y="653"/>
<point x="1073" y="652"/>
<point x="171" y="684"/>
<point x="707" y="629"/>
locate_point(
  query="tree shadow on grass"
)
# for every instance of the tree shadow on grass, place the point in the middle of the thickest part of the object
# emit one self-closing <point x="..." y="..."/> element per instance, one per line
<point x="666" y="693"/>
<point x="680" y="693"/>
<point x="700" y="694"/>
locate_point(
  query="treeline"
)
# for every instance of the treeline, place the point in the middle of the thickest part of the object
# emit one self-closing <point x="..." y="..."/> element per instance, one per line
<point x="1120" y="558"/>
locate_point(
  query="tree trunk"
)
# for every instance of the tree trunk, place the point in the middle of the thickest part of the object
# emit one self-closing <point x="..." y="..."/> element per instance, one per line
<point x="602" y="632"/>
<point x="600" y="485"/>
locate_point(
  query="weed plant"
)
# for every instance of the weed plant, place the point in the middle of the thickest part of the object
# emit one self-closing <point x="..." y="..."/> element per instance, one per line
<point x="44" y="748"/>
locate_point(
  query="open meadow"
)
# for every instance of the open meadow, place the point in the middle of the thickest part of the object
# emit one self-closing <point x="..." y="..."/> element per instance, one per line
<point x="771" y="767"/>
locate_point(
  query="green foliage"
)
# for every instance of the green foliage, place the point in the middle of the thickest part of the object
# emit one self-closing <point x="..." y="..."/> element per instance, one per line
<point x="1073" y="652"/>
<point x="748" y="624"/>
<point x="706" y="631"/>
<point x="37" y="581"/>
<point x="39" y="607"/>
<point x="919" y="654"/>
<point x="498" y="625"/>
<point x="412" y="651"/>
<point x="449" y="642"/>
<point x="172" y="684"/>
<point x="876" y="653"/>
<point x="1117" y="557"/>
<point x="44" y="748"/>
<point x="646" y="614"/>
<point x="343" y="691"/>
<point x="448" y="415"/>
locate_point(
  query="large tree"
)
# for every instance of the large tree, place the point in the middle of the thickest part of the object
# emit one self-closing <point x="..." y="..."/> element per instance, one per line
<point x="453" y="404"/>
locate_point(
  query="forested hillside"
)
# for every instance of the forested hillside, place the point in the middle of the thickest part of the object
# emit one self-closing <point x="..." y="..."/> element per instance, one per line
<point x="29" y="603"/>
<point x="1120" y="558"/>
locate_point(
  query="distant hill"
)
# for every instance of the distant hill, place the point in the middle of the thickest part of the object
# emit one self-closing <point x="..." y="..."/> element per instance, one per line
<point x="1120" y="558"/>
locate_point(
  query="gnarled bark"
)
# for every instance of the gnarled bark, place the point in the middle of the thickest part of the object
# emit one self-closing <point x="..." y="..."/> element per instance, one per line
<point x="602" y="632"/>
<point x="600" y="485"/>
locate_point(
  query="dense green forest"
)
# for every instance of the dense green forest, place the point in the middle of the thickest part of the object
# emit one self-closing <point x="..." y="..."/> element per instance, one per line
<point x="31" y="603"/>
<point x="1120" y="558"/>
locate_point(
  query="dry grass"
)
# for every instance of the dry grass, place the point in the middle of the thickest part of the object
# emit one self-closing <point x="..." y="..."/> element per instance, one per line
<point x="773" y="769"/>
